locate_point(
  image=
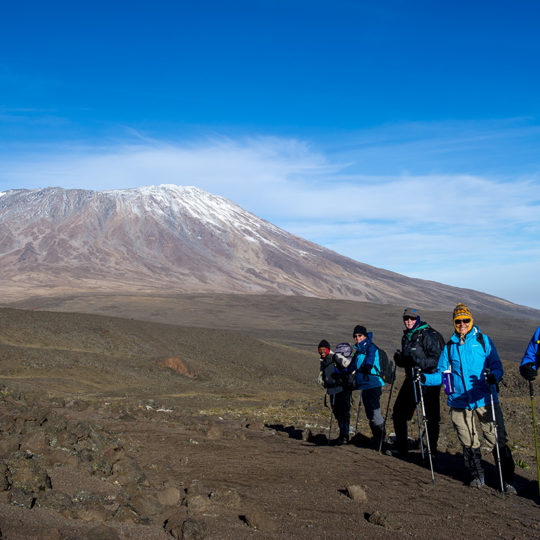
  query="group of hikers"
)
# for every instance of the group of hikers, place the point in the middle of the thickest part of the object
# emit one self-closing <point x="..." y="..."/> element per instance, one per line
<point x="467" y="366"/>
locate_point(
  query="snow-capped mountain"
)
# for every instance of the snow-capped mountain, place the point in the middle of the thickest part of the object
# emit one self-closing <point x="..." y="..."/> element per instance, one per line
<point x="181" y="239"/>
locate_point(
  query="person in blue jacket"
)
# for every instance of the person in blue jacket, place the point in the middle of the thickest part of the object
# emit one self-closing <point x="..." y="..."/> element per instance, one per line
<point x="476" y="369"/>
<point x="367" y="366"/>
<point x="531" y="359"/>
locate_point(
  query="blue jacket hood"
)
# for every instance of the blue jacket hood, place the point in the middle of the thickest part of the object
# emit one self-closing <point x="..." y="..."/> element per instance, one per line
<point x="363" y="345"/>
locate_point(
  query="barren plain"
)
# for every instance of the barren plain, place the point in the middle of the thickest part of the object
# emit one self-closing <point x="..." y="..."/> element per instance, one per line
<point x="199" y="416"/>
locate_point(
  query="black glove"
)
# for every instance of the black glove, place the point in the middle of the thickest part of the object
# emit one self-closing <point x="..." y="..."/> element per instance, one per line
<point x="528" y="372"/>
<point x="351" y="381"/>
<point x="419" y="376"/>
<point x="400" y="360"/>
<point x="365" y="369"/>
<point x="490" y="378"/>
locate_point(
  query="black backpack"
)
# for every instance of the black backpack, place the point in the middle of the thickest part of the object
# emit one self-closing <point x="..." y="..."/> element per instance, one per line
<point x="440" y="338"/>
<point x="388" y="367"/>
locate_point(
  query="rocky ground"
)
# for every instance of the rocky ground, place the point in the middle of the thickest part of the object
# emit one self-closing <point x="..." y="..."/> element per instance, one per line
<point x="115" y="428"/>
<point x="78" y="469"/>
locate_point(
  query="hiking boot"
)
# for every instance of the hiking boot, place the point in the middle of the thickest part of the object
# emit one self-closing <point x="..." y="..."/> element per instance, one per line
<point x="477" y="482"/>
<point x="342" y="439"/>
<point x="396" y="452"/>
<point x="379" y="435"/>
<point x="509" y="489"/>
<point x="473" y="462"/>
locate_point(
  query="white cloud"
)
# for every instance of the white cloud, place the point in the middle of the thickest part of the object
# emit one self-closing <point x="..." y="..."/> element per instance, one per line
<point x="467" y="230"/>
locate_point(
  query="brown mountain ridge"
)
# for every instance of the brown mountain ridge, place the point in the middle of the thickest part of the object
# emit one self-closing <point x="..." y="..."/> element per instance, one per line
<point x="172" y="239"/>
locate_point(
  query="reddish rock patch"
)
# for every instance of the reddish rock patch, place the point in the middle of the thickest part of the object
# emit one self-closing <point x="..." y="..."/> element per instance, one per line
<point x="177" y="365"/>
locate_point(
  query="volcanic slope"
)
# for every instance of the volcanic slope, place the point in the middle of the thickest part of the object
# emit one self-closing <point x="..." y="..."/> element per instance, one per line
<point x="180" y="239"/>
<point x="144" y="430"/>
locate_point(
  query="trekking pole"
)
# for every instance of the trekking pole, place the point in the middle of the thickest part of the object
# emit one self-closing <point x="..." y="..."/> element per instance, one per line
<point x="388" y="406"/>
<point x="417" y="413"/>
<point x="358" y="411"/>
<point x="426" y="430"/>
<point x="496" y="436"/>
<point x="531" y="392"/>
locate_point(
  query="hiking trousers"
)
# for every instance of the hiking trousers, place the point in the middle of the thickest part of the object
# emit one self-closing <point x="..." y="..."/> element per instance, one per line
<point x="467" y="432"/>
<point x="341" y="406"/>
<point x="404" y="409"/>
<point x="371" y="398"/>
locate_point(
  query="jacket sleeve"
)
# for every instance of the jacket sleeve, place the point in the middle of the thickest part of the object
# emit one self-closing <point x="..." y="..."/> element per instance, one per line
<point x="431" y="350"/>
<point x="532" y="349"/>
<point x="370" y="355"/>
<point x="435" y="379"/>
<point x="493" y="361"/>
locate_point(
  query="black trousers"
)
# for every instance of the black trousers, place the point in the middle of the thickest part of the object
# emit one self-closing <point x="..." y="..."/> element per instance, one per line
<point x="404" y="408"/>
<point x="341" y="406"/>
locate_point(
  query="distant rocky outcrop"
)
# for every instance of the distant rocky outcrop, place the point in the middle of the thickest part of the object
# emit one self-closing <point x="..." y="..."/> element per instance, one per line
<point x="56" y="242"/>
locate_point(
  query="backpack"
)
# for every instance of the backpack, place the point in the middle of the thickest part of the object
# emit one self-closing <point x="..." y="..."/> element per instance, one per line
<point x="343" y="355"/>
<point x="388" y="368"/>
<point x="440" y="339"/>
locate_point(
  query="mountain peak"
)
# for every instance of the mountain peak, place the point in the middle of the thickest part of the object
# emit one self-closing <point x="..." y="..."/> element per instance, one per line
<point x="182" y="239"/>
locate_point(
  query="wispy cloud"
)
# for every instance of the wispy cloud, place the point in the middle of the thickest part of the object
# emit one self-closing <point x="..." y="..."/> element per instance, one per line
<point x="467" y="230"/>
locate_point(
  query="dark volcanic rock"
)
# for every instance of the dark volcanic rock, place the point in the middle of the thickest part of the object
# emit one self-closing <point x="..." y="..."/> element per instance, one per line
<point x="4" y="482"/>
<point x="9" y="444"/>
<point x="102" y="532"/>
<point x="91" y="507"/>
<point x="146" y="504"/>
<point x="127" y="514"/>
<point x="169" y="496"/>
<point x="34" y="442"/>
<point x="126" y="471"/>
<point x="227" y="497"/>
<point x="56" y="500"/>
<point x="197" y="504"/>
<point x="193" y="529"/>
<point x="21" y="497"/>
<point x="257" y="519"/>
<point x="27" y="471"/>
<point x="381" y="519"/>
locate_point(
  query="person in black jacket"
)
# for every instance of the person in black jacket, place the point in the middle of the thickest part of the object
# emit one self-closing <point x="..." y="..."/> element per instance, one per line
<point x="332" y="378"/>
<point x="421" y="347"/>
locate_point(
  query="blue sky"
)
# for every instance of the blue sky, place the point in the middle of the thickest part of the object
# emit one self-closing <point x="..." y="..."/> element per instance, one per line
<point x="402" y="134"/>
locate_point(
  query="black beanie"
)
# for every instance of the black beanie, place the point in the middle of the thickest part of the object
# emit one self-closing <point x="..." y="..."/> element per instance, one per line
<point x="360" y="330"/>
<point x="324" y="344"/>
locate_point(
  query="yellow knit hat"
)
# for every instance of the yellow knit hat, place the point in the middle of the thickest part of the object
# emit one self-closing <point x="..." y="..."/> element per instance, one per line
<point x="461" y="311"/>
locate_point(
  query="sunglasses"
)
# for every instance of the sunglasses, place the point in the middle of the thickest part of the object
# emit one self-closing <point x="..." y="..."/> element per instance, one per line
<point x="407" y="318"/>
<point x="462" y="321"/>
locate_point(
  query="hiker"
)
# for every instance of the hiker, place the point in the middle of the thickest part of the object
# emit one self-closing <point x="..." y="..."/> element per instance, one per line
<point x="367" y="366"/>
<point x="531" y="359"/>
<point x="475" y="368"/>
<point x="421" y="347"/>
<point x="332" y="376"/>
